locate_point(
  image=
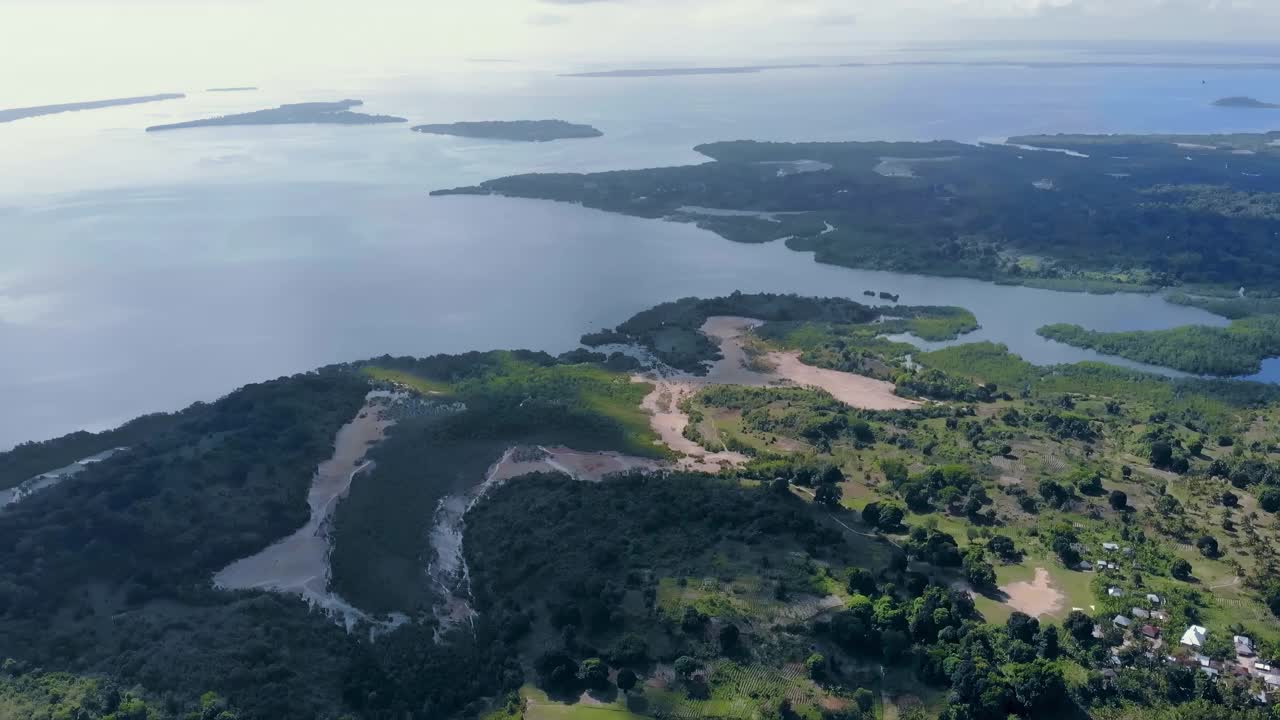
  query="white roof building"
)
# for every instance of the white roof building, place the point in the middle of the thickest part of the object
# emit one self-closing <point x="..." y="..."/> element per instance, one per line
<point x="1115" y="592"/>
<point x="1194" y="636"/>
<point x="1110" y="547"/>
<point x="1153" y="598"/>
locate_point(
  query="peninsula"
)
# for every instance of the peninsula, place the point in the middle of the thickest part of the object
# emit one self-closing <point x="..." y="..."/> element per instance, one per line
<point x="28" y="112"/>
<point x="1098" y="213"/>
<point x="1245" y="102"/>
<point x="518" y="130"/>
<point x="327" y="113"/>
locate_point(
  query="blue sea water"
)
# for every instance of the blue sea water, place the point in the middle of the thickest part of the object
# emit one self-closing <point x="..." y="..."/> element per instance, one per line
<point x="142" y="271"/>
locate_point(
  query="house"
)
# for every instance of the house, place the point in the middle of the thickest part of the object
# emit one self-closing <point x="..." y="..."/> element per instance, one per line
<point x="1262" y="667"/>
<point x="1271" y="680"/>
<point x="1150" y="631"/>
<point x="1154" y="599"/>
<point x="1244" y="645"/>
<point x="1160" y="615"/>
<point x="1115" y="592"/>
<point x="1194" y="636"/>
<point x="1110" y="547"/>
<point x="1140" y="613"/>
<point x="1085" y="566"/>
<point x="1121" y="621"/>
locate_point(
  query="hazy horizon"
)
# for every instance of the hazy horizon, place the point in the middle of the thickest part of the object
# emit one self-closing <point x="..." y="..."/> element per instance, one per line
<point x="187" y="45"/>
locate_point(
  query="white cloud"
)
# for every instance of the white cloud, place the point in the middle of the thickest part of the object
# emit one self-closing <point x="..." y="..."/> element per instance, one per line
<point x="121" y="45"/>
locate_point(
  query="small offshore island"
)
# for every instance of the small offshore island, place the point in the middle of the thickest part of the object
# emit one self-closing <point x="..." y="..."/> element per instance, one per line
<point x="327" y="113"/>
<point x="28" y="112"/>
<point x="518" y="130"/>
<point x="1241" y="101"/>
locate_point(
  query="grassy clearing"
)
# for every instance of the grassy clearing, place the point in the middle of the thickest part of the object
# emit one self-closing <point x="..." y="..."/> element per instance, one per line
<point x="537" y="706"/>
<point x="401" y="378"/>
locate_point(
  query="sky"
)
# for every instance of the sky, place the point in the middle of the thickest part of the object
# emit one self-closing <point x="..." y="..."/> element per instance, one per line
<point x="56" y="44"/>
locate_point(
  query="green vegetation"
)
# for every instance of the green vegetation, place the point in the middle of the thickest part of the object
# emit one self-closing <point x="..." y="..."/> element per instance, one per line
<point x="826" y="577"/>
<point x="818" y="327"/>
<point x="671" y="331"/>
<point x="1231" y="351"/>
<point x="33" y="458"/>
<point x="108" y="574"/>
<point x="521" y="130"/>
<point x="510" y="398"/>
<point x="326" y="113"/>
<point x="1141" y="212"/>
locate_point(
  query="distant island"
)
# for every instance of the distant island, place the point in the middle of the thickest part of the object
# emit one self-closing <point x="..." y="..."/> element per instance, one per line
<point x="664" y="72"/>
<point x="231" y="89"/>
<point x="1245" y="102"/>
<point x="328" y="113"/>
<point x="27" y="112"/>
<point x="519" y="130"/>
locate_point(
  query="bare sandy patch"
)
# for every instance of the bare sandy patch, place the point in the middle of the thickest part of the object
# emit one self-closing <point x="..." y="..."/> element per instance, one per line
<point x="1035" y="598"/>
<point x="299" y="564"/>
<point x="856" y="391"/>
<point x="734" y="368"/>
<point x="579" y="465"/>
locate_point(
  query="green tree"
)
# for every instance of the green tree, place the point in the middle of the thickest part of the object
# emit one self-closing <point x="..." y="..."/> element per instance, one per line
<point x="828" y="495"/>
<point x="627" y="679"/>
<point x="1269" y="499"/>
<point x="1180" y="569"/>
<point x="730" y="636"/>
<point x="816" y="665"/>
<point x="1118" y="500"/>
<point x="594" y="674"/>
<point x="685" y="666"/>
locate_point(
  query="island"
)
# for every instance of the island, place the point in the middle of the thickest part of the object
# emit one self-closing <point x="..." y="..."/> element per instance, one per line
<point x="518" y="130"/>
<point x="326" y="113"/>
<point x="1245" y="102"/>
<point x="231" y="89"/>
<point x="817" y="521"/>
<point x="27" y="112"/>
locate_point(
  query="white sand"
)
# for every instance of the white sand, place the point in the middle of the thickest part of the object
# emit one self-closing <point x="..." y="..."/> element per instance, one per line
<point x="299" y="564"/>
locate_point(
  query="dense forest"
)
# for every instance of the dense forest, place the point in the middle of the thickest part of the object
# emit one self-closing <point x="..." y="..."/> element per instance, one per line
<point x="1143" y="212"/>
<point x="1238" y="349"/>
<point x="851" y="564"/>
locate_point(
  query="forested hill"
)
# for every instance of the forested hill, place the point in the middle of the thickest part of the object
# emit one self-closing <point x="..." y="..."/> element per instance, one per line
<point x="1088" y="212"/>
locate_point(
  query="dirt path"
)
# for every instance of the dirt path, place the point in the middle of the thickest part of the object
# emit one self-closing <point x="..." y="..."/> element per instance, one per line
<point x="299" y="564"/>
<point x="669" y="422"/>
<point x="1234" y="581"/>
<point x="1034" y="598"/>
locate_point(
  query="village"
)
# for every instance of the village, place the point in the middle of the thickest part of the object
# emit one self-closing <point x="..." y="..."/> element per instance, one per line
<point x="1147" y="629"/>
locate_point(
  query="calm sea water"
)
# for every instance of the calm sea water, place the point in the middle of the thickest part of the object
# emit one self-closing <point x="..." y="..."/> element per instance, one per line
<point x="141" y="272"/>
